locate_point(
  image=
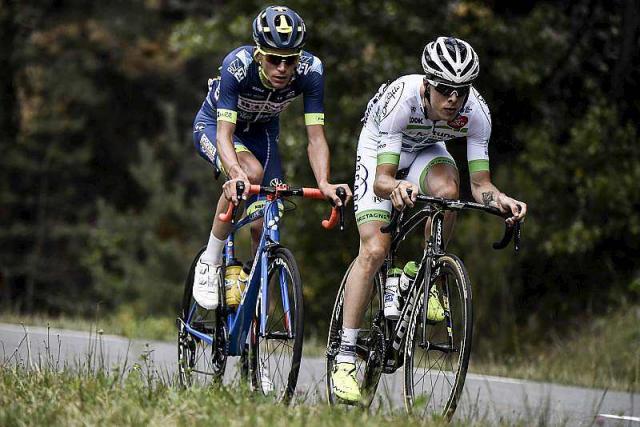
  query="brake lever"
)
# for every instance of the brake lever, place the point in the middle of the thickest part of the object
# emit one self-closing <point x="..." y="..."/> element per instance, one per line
<point x="396" y="217"/>
<point x="239" y="191"/>
<point x="342" y="195"/>
<point x="230" y="214"/>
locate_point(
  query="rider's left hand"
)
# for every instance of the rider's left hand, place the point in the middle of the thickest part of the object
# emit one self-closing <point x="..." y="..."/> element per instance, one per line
<point x="517" y="208"/>
<point x="329" y="192"/>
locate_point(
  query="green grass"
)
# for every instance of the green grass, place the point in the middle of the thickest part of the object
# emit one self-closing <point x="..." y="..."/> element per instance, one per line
<point x="124" y="323"/>
<point x="604" y="353"/>
<point x="78" y="398"/>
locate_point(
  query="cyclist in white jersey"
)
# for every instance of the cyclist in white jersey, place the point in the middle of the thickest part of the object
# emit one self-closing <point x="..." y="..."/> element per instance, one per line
<point x="402" y="147"/>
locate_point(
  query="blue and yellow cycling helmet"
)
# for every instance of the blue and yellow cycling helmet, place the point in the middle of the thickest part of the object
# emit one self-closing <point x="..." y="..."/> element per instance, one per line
<point x="280" y="28"/>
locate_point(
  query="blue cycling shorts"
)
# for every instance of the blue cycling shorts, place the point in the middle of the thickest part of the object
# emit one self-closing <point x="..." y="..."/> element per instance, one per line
<point x="260" y="140"/>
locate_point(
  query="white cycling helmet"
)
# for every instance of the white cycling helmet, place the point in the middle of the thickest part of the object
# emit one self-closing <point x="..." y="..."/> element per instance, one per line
<point x="450" y="61"/>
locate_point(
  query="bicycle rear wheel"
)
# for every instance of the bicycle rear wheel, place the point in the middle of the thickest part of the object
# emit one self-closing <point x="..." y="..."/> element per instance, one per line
<point x="274" y="356"/>
<point x="198" y="362"/>
<point x="370" y="344"/>
<point x="437" y="354"/>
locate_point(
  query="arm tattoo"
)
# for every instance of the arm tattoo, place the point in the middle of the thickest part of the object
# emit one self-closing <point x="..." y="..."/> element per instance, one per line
<point x="487" y="198"/>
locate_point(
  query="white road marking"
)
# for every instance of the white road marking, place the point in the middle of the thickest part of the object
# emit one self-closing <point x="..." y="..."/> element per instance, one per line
<point x="620" y="417"/>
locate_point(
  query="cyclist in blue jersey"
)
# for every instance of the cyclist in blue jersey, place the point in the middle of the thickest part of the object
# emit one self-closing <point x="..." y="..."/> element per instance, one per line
<point x="237" y="127"/>
<point x="402" y="147"/>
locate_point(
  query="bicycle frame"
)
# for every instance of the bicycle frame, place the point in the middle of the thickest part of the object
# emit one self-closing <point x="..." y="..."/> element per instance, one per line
<point x="434" y="248"/>
<point x="239" y="322"/>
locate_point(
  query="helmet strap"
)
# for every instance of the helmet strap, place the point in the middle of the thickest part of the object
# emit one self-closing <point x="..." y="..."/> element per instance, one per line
<point x="427" y="97"/>
<point x="263" y="77"/>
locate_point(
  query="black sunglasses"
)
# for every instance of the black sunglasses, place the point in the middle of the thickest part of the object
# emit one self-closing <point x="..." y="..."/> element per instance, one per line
<point x="277" y="59"/>
<point x="446" y="90"/>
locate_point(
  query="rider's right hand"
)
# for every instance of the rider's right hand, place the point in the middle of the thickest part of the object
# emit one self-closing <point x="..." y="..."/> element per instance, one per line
<point x="229" y="187"/>
<point x="399" y="196"/>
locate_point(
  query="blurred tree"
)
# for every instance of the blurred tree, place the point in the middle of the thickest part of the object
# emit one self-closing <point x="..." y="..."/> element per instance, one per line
<point x="103" y="197"/>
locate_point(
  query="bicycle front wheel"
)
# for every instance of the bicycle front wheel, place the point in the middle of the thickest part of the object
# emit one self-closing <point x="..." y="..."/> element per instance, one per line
<point x="274" y="355"/>
<point x="198" y="362"/>
<point x="437" y="351"/>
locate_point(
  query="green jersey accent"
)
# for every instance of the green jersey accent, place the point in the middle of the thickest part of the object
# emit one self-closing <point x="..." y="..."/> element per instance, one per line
<point x="432" y="163"/>
<point x="372" y="215"/>
<point x="227" y="115"/>
<point x="478" y="165"/>
<point x="314" y="119"/>
<point x="388" y="158"/>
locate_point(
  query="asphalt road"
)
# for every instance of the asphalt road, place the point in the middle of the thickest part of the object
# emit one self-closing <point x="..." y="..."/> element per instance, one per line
<point x="485" y="397"/>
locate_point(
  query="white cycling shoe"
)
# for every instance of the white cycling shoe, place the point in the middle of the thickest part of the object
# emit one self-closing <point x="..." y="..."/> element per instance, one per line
<point x="206" y="284"/>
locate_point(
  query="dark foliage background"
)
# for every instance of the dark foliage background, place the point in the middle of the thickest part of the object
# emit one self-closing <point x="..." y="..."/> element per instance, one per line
<point x="104" y="200"/>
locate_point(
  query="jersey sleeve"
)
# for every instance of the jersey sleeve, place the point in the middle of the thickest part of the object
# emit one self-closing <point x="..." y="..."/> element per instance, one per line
<point x="233" y="71"/>
<point x="310" y="68"/>
<point x="393" y="113"/>
<point x="478" y="137"/>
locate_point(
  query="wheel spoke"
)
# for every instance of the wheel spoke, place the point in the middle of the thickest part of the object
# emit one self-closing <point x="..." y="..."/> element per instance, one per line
<point x="369" y="341"/>
<point x="434" y="374"/>
<point x="278" y="351"/>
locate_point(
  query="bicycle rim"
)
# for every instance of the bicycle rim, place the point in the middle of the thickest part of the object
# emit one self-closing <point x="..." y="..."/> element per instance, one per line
<point x="198" y="362"/>
<point x="435" y="369"/>
<point x="370" y="346"/>
<point x="275" y="355"/>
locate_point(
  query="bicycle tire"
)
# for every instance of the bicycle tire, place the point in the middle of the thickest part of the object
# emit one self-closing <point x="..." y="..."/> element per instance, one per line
<point x="199" y="363"/>
<point x="435" y="371"/>
<point x="370" y="347"/>
<point x="280" y="348"/>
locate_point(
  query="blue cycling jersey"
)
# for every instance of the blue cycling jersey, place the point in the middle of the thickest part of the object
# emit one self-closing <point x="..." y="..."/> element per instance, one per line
<point x="239" y="95"/>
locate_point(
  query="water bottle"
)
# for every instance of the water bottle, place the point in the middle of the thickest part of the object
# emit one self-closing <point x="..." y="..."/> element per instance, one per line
<point x="392" y="294"/>
<point x="234" y="293"/>
<point x="231" y="273"/>
<point x="408" y="276"/>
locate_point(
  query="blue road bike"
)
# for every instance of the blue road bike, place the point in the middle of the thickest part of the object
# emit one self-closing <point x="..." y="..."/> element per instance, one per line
<point x="266" y="329"/>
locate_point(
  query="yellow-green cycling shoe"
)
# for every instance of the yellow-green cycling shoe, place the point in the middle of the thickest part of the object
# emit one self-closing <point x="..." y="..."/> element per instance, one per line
<point x="435" y="311"/>
<point x="345" y="385"/>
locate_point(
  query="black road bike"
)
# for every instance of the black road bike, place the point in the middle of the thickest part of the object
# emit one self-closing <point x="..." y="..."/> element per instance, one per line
<point x="435" y="354"/>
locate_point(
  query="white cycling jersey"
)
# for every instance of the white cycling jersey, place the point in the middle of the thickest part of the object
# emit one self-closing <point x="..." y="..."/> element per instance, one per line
<point x="397" y="132"/>
<point x="396" y="115"/>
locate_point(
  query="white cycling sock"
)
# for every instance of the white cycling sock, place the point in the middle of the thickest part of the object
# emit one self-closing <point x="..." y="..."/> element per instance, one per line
<point x="348" y="341"/>
<point x="213" y="254"/>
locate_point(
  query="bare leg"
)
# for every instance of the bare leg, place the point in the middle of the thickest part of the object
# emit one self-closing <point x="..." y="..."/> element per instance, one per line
<point x="442" y="180"/>
<point x="254" y="171"/>
<point x="374" y="246"/>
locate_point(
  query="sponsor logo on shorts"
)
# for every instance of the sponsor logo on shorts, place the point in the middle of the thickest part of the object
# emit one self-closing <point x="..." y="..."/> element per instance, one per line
<point x="208" y="148"/>
<point x="275" y="182"/>
<point x="360" y="184"/>
<point x="375" y="215"/>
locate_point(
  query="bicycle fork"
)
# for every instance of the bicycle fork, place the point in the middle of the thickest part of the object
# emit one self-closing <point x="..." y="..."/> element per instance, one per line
<point x="423" y="282"/>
